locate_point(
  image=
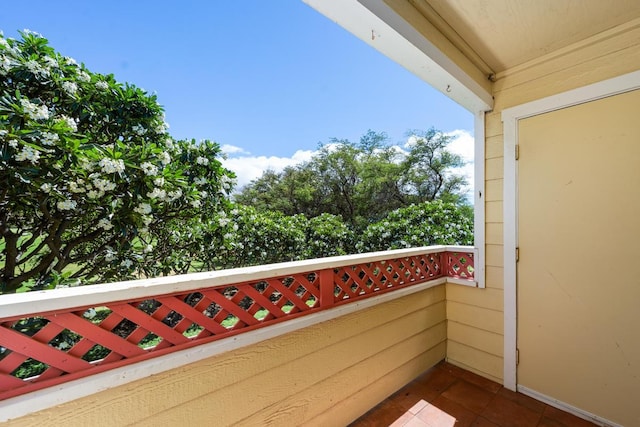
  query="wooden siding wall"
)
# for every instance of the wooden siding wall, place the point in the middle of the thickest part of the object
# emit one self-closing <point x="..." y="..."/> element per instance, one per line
<point x="475" y="316"/>
<point x="327" y="374"/>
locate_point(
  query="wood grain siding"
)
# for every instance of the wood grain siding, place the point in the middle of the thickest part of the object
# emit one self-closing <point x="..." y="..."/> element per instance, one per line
<point x="304" y="377"/>
<point x="610" y="54"/>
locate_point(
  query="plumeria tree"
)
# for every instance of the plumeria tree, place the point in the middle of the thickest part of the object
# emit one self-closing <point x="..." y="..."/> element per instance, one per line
<point x="328" y="235"/>
<point x="252" y="237"/>
<point x="424" y="224"/>
<point x="92" y="186"/>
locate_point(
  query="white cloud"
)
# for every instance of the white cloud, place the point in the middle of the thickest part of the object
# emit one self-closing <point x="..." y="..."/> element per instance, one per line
<point x="462" y="143"/>
<point x="232" y="149"/>
<point x="248" y="168"/>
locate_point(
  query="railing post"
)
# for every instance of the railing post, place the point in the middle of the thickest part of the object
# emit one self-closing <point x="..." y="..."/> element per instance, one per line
<point x="444" y="263"/>
<point x="326" y="288"/>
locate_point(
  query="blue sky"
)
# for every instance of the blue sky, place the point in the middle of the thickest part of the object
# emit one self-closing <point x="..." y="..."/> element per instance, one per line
<point x="268" y="80"/>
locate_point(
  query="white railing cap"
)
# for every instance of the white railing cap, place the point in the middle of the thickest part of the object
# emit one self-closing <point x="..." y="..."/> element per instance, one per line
<point x="22" y="304"/>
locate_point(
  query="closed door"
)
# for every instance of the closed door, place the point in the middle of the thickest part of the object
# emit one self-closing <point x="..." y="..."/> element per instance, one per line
<point x="579" y="270"/>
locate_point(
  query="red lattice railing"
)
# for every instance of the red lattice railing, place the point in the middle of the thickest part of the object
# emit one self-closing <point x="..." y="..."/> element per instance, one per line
<point x="67" y="334"/>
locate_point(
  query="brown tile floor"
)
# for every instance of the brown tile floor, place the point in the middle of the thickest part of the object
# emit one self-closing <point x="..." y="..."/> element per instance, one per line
<point x="449" y="396"/>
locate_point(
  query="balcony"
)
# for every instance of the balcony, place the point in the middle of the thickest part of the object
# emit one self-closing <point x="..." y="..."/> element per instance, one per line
<point x="316" y="342"/>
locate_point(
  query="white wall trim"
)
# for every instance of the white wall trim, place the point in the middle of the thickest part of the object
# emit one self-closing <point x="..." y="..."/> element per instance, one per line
<point x="510" y="118"/>
<point x="378" y="25"/>
<point x="56" y="395"/>
<point x="567" y="408"/>
<point x="478" y="198"/>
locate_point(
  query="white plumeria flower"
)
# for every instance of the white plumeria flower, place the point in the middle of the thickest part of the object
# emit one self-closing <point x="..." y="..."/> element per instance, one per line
<point x="49" y="138"/>
<point x="46" y="187"/>
<point x="28" y="153"/>
<point x="105" y="224"/>
<point x="143" y="208"/>
<point x="76" y="187"/>
<point x="51" y="62"/>
<point x="157" y="193"/>
<point x="139" y="130"/>
<point x="102" y="85"/>
<point x="70" y="87"/>
<point x="159" y="181"/>
<point x="66" y="205"/>
<point x="33" y="111"/>
<point x="202" y="161"/>
<point x="149" y="169"/>
<point x="126" y="263"/>
<point x="165" y="158"/>
<point x="111" y="165"/>
<point x="5" y="64"/>
<point x="33" y="33"/>
<point x="175" y="195"/>
<point x="103" y="184"/>
<point x="35" y="68"/>
<point x="195" y="203"/>
<point x="148" y="248"/>
<point x="69" y="121"/>
<point x="84" y="77"/>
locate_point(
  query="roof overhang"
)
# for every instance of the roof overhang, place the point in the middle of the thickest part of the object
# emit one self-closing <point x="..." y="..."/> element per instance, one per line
<point x="419" y="47"/>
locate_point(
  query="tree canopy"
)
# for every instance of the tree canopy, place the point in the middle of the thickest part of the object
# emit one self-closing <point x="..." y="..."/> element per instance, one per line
<point x="89" y="176"/>
<point x="362" y="182"/>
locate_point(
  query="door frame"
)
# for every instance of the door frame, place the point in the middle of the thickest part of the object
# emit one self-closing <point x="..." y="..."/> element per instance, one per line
<point x="510" y="118"/>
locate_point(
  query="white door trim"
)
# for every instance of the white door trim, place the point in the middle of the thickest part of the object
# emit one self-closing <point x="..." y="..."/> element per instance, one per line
<point x="510" y="118"/>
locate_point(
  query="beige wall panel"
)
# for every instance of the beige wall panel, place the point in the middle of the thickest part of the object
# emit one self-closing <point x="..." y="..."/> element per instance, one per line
<point x="491" y="299"/>
<point x="494" y="211"/>
<point x="494" y="146"/>
<point x="282" y="384"/>
<point x="494" y="255"/>
<point x="292" y="393"/>
<point x="494" y="168"/>
<point x="478" y="317"/>
<point x="485" y="364"/>
<point x="341" y="412"/>
<point x="494" y="233"/>
<point x="321" y="397"/>
<point x="605" y="44"/>
<point x="493" y="124"/>
<point x="493" y="190"/>
<point x="173" y="388"/>
<point x="607" y="66"/>
<point x="488" y="342"/>
<point x="494" y="277"/>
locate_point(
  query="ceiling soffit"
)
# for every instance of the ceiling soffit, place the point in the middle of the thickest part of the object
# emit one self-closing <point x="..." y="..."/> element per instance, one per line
<point x="497" y="35"/>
